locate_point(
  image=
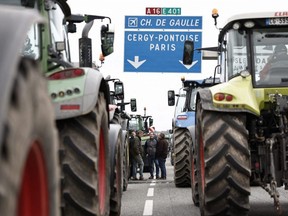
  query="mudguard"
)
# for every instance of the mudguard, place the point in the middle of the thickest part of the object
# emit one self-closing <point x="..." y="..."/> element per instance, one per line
<point x="13" y="34"/>
<point x="89" y="86"/>
<point x="190" y="119"/>
<point x="114" y="131"/>
<point x="243" y="101"/>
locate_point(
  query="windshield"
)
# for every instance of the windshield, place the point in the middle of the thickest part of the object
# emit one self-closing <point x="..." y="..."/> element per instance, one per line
<point x="270" y="56"/>
<point x="59" y="30"/>
<point x="235" y="53"/>
<point x="180" y="102"/>
<point x="31" y="46"/>
<point x="136" y="124"/>
<point x="192" y="100"/>
<point x="269" y="59"/>
<point x="183" y="104"/>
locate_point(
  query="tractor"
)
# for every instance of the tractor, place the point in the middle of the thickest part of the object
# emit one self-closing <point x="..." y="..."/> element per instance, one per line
<point x="241" y="126"/>
<point x="90" y="145"/>
<point x="121" y="117"/>
<point x="78" y="119"/>
<point x="183" y="127"/>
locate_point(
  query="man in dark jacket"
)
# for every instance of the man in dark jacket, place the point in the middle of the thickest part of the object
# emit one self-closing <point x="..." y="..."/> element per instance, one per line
<point x="150" y="151"/>
<point x="131" y="158"/>
<point x="161" y="154"/>
<point x="137" y="152"/>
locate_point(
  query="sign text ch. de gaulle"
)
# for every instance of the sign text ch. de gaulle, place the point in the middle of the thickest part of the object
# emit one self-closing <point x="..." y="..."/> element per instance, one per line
<point x="162" y="11"/>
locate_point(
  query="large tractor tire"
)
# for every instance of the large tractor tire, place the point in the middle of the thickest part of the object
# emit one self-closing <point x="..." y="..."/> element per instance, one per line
<point x="29" y="167"/>
<point x="223" y="161"/>
<point x="84" y="156"/>
<point x="182" y="140"/>
<point x="126" y="163"/>
<point x="194" y="181"/>
<point x="126" y="168"/>
<point x="116" y="191"/>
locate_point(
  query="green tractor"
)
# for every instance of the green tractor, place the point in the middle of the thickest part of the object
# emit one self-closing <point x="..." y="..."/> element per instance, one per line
<point x="144" y="123"/>
<point x="91" y="154"/>
<point x="90" y="146"/>
<point x="241" y="126"/>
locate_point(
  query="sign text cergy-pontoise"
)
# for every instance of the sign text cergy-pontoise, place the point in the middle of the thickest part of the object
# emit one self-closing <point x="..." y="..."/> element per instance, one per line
<point x="155" y="43"/>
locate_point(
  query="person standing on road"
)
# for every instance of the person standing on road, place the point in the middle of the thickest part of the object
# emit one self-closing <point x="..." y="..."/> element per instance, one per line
<point x="161" y="154"/>
<point x="137" y="152"/>
<point x="150" y="151"/>
<point x="131" y="155"/>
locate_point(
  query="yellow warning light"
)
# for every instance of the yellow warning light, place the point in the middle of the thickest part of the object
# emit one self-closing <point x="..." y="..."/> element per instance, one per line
<point x="215" y="13"/>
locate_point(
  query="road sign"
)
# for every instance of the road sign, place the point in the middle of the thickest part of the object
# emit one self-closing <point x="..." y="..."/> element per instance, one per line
<point x="155" y="50"/>
<point x="163" y="22"/>
<point x="163" y="11"/>
<point x="159" y="51"/>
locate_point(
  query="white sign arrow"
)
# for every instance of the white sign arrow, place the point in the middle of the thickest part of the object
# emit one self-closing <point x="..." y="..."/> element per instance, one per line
<point x="188" y="66"/>
<point x="136" y="63"/>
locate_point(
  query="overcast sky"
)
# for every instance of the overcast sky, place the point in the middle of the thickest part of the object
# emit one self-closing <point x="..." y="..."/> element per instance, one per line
<point x="150" y="88"/>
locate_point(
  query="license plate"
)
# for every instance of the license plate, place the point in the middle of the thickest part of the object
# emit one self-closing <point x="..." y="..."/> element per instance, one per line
<point x="277" y="21"/>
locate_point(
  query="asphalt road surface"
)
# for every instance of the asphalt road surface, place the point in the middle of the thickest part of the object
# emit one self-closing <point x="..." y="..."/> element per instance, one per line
<point x="163" y="198"/>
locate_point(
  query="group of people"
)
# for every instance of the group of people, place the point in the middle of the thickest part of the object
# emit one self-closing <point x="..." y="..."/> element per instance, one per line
<point x="156" y="151"/>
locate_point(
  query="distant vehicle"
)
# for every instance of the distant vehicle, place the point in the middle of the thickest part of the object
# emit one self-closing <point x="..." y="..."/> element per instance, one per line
<point x="182" y="126"/>
<point x="138" y="122"/>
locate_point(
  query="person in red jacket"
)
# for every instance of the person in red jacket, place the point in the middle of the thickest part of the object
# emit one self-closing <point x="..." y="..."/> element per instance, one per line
<point x="161" y="153"/>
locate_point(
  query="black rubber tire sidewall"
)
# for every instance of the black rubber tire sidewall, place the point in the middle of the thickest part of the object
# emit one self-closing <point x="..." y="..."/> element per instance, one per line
<point x="79" y="155"/>
<point x="182" y="141"/>
<point x="30" y="117"/>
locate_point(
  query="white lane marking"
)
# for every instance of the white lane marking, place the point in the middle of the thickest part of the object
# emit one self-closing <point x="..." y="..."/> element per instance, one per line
<point x="152" y="184"/>
<point x="150" y="192"/>
<point x="148" y="208"/>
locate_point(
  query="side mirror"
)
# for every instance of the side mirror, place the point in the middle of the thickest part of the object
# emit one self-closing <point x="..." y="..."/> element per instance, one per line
<point x="171" y="98"/>
<point x="133" y="105"/>
<point x="119" y="90"/>
<point x="150" y="122"/>
<point x="107" y="39"/>
<point x="188" y="52"/>
<point x="60" y="46"/>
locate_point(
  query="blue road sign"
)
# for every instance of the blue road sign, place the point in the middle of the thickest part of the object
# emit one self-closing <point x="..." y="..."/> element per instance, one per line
<point x="160" y="51"/>
<point x="156" y="43"/>
<point x="163" y="22"/>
